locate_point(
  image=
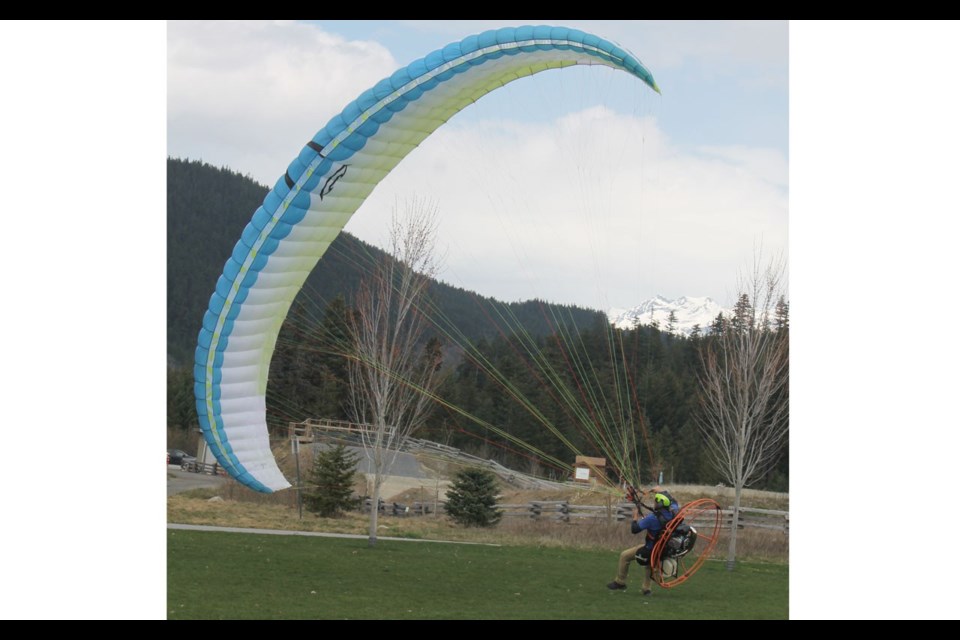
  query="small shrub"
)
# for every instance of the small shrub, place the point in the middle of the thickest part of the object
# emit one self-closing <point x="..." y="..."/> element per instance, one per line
<point x="331" y="482"/>
<point x="472" y="499"/>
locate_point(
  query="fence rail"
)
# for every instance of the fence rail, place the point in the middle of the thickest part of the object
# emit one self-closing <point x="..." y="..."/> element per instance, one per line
<point x="202" y="467"/>
<point x="399" y="509"/>
<point x="759" y="519"/>
<point x="559" y="510"/>
<point x="309" y="429"/>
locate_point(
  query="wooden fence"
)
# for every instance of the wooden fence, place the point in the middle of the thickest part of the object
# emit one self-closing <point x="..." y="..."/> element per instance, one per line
<point x="566" y="512"/>
<point x="201" y="467"/>
<point x="759" y="519"/>
<point x="562" y="511"/>
<point x="398" y="509"/>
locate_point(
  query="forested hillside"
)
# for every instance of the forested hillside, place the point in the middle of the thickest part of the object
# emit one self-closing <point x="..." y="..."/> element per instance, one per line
<point x="542" y="375"/>
<point x="207" y="209"/>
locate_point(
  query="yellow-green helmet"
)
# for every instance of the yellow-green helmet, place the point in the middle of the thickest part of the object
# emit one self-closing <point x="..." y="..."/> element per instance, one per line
<point x="661" y="501"/>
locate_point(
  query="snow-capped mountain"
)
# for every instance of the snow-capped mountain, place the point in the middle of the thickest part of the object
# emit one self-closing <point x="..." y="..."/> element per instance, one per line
<point x="688" y="312"/>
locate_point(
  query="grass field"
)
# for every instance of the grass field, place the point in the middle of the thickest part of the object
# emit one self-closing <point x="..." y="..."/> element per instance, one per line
<point x="219" y="575"/>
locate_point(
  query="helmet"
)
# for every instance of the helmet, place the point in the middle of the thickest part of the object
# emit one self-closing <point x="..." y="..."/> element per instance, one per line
<point x="661" y="501"/>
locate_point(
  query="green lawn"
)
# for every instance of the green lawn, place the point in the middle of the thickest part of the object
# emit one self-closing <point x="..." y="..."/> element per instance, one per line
<point x="214" y="575"/>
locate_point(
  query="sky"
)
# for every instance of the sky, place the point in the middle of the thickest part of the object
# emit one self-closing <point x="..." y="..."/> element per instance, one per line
<point x="873" y="135"/>
<point x="577" y="186"/>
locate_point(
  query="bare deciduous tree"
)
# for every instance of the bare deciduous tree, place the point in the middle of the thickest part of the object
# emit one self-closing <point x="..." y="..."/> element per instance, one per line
<point x="744" y="407"/>
<point x="391" y="372"/>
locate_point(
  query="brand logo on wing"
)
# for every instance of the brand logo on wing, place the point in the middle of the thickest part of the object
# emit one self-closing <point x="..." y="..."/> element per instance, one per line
<point x="332" y="180"/>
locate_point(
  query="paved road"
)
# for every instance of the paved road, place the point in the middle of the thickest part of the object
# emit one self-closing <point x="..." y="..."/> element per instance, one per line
<point x="405" y="466"/>
<point x="179" y="480"/>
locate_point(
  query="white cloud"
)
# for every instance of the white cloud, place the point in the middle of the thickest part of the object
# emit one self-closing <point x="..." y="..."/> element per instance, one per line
<point x="767" y="164"/>
<point x="244" y="94"/>
<point x="753" y="51"/>
<point x="595" y="207"/>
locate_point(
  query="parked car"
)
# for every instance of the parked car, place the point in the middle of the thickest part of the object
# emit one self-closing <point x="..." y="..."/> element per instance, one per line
<point x="179" y="457"/>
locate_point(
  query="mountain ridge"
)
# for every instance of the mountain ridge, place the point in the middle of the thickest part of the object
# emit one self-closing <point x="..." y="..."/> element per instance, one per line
<point x="690" y="314"/>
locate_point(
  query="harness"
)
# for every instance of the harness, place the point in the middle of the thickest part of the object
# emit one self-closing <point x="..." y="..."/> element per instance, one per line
<point x="681" y="541"/>
<point x="663" y="525"/>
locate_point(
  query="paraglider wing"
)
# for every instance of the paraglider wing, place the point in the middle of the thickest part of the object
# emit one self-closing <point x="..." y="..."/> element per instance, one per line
<point x="312" y="201"/>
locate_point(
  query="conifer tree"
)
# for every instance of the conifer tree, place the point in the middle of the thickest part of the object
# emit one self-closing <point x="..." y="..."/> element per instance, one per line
<point x="331" y="482"/>
<point x="672" y="322"/>
<point x="742" y="319"/>
<point x="782" y="315"/>
<point x="718" y="325"/>
<point x="472" y="499"/>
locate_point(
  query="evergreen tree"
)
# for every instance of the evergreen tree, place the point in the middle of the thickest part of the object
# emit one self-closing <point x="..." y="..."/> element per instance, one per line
<point x="672" y="322"/>
<point x="782" y="315"/>
<point x="472" y="499"/>
<point x="742" y="315"/>
<point x="331" y="482"/>
<point x="718" y="325"/>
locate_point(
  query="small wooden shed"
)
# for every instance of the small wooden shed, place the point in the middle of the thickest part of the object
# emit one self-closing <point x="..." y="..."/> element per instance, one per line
<point x="587" y="469"/>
